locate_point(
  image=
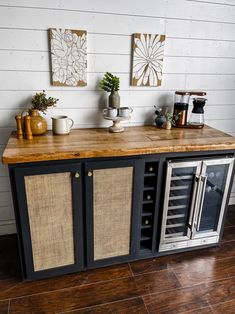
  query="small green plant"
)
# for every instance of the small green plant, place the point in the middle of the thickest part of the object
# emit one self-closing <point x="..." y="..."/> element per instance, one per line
<point x="170" y="117"/>
<point x="110" y="83"/>
<point x="41" y="102"/>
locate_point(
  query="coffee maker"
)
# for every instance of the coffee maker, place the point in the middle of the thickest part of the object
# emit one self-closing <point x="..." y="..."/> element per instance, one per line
<point x="197" y="116"/>
<point x="181" y="105"/>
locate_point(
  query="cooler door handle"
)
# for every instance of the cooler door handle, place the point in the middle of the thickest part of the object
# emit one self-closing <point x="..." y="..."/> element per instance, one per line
<point x="193" y="204"/>
<point x="203" y="190"/>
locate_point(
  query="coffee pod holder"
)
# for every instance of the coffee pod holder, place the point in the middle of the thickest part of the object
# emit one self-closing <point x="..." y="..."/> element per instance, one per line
<point x="116" y="127"/>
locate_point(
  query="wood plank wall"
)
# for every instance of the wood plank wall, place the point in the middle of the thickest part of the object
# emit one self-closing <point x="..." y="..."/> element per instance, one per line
<point x="199" y="54"/>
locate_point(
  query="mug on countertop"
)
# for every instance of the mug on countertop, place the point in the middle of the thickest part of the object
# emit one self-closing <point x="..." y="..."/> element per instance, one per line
<point x="110" y="112"/>
<point x="61" y="125"/>
<point x="124" y="112"/>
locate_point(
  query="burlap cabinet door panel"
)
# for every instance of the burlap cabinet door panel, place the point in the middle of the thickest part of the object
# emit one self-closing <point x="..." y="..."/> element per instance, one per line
<point x="112" y="207"/>
<point x="50" y="219"/>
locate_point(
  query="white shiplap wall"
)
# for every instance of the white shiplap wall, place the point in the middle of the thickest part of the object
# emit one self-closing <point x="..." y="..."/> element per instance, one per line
<point x="199" y="54"/>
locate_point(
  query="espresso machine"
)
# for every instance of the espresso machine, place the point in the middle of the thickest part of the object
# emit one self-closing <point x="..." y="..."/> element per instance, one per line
<point x="181" y="105"/>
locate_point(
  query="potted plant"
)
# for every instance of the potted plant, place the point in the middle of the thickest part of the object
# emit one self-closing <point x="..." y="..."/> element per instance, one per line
<point x="170" y="119"/>
<point x="165" y="119"/>
<point x="110" y="84"/>
<point x="40" y="103"/>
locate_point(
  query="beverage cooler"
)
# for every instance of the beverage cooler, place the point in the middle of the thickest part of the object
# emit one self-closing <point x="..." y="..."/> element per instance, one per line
<point x="195" y="199"/>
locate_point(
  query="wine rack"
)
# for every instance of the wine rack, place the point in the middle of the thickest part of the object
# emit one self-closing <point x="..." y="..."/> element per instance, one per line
<point x="148" y="206"/>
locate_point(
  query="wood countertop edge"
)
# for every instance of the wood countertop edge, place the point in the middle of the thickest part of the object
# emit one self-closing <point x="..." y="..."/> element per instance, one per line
<point x="39" y="157"/>
<point x="99" y="143"/>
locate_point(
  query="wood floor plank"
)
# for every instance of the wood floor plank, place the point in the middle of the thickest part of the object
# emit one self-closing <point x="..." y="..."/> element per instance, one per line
<point x="229" y="265"/>
<point x="75" y="298"/>
<point x="220" y="291"/>
<point x="226" y="308"/>
<point x="156" y="282"/>
<point x="18" y="289"/>
<point x="204" y="310"/>
<point x="5" y="286"/>
<point x="229" y="234"/>
<point x="176" y="301"/>
<point x="202" y="270"/>
<point x="220" y="295"/>
<point x="180" y="259"/>
<point x="4" y="307"/>
<point x="136" y="306"/>
<point x="149" y="265"/>
<point x="225" y="250"/>
<point x="230" y="219"/>
<point x="228" y="224"/>
<point x="170" y="261"/>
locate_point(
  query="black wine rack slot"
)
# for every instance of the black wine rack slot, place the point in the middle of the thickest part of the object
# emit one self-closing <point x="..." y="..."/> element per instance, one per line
<point x="148" y="206"/>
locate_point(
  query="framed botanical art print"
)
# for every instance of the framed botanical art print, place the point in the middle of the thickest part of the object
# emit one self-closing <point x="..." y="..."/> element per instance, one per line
<point x="147" y="59"/>
<point x="68" y="57"/>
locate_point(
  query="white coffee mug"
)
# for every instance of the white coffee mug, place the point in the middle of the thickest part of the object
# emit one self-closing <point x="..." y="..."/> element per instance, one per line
<point x="125" y="111"/>
<point x="61" y="125"/>
<point x="110" y="112"/>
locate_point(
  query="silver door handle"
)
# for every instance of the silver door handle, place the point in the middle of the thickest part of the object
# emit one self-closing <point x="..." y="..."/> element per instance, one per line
<point x="193" y="204"/>
<point x="203" y="179"/>
<point x="196" y="208"/>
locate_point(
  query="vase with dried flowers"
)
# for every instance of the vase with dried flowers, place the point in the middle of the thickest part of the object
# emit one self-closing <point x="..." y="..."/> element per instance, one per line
<point x="40" y="103"/>
<point x="160" y="118"/>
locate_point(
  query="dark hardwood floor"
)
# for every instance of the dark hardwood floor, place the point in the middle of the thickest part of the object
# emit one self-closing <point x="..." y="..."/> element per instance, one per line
<point x="195" y="282"/>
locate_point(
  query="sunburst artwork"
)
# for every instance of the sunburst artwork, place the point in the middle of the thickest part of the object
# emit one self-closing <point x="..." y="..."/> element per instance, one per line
<point x="147" y="59"/>
<point x="68" y="57"/>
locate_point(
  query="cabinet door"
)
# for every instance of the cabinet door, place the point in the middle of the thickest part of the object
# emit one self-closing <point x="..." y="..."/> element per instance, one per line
<point x="111" y="204"/>
<point x="49" y="206"/>
<point x="215" y="182"/>
<point x="179" y="200"/>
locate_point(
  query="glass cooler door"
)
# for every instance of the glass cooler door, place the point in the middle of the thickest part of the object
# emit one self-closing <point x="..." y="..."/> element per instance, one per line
<point x="214" y="186"/>
<point x="180" y="195"/>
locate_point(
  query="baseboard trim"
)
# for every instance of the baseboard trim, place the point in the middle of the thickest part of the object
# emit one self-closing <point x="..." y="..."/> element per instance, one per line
<point x="232" y="200"/>
<point x="7" y="227"/>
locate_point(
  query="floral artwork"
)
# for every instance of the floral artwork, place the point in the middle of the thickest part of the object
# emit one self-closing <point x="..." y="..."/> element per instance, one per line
<point x="68" y="57"/>
<point x="147" y="59"/>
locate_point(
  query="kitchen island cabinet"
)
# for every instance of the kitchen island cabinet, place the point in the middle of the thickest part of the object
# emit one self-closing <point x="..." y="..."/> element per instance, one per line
<point x="94" y="198"/>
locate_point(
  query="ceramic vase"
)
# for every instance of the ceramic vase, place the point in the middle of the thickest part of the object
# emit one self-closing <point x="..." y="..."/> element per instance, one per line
<point x="114" y="99"/>
<point x="38" y="123"/>
<point x="160" y="120"/>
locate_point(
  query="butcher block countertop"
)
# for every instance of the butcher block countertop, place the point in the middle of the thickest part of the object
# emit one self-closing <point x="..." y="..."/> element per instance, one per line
<point x="87" y="143"/>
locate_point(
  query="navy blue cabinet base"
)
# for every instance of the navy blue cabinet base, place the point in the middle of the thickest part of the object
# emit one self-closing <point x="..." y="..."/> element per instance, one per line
<point x="74" y="215"/>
